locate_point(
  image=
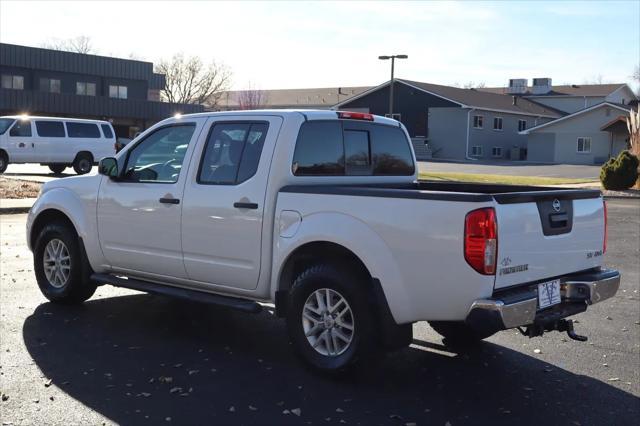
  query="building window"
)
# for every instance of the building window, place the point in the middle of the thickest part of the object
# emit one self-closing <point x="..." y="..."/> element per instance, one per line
<point x="497" y="123"/>
<point x="85" y="89"/>
<point x="584" y="145"/>
<point x="50" y="85"/>
<point x="476" y="151"/>
<point x="522" y="125"/>
<point x="12" y="82"/>
<point x="477" y="121"/>
<point x="496" y="151"/>
<point x="395" y="116"/>
<point x="119" y="92"/>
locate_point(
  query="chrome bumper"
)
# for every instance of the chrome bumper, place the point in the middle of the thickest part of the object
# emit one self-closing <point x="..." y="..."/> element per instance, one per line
<point x="519" y="307"/>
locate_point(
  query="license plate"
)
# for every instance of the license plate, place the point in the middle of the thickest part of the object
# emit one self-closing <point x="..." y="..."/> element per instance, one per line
<point x="548" y="294"/>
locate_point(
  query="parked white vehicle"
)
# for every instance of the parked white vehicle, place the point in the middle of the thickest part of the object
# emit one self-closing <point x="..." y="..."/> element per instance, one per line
<point x="55" y="142"/>
<point x="321" y="213"/>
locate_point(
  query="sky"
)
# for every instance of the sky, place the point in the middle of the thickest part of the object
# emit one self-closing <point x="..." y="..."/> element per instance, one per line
<point x="278" y="45"/>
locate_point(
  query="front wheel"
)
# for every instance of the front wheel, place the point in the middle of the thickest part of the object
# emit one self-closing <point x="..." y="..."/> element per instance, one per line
<point x="329" y="318"/>
<point x="83" y="163"/>
<point x="61" y="269"/>
<point x="57" y="168"/>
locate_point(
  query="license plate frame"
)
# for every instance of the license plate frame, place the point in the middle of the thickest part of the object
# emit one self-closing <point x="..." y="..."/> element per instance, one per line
<point x="549" y="294"/>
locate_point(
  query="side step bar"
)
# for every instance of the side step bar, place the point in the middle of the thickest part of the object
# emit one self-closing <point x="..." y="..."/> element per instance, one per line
<point x="180" y="293"/>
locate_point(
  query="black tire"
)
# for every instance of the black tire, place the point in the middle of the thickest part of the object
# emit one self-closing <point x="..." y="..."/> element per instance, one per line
<point x="457" y="333"/>
<point x="78" y="286"/>
<point x="83" y="163"/>
<point x="352" y="288"/>
<point x="4" y="161"/>
<point x="57" y="168"/>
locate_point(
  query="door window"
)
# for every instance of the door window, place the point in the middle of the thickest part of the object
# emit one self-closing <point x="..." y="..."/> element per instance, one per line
<point x="82" y="130"/>
<point x="22" y="128"/>
<point x="50" y="129"/>
<point x="232" y="153"/>
<point x="159" y="157"/>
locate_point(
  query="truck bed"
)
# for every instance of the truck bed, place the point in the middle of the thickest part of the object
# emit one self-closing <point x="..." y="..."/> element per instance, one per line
<point x="450" y="191"/>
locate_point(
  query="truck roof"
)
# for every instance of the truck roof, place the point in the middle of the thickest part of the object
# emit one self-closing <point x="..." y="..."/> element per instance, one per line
<point x="309" y="114"/>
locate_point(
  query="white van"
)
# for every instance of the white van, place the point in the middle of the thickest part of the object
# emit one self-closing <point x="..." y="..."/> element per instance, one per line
<point x="55" y="141"/>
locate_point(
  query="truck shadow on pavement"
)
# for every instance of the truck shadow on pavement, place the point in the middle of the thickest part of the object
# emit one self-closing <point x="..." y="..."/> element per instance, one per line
<point x="140" y="359"/>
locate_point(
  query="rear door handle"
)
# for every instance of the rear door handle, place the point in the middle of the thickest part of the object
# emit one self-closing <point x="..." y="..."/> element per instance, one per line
<point x="169" y="200"/>
<point x="241" y="205"/>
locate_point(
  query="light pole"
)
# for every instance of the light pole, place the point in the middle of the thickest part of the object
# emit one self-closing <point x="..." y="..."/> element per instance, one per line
<point x="393" y="58"/>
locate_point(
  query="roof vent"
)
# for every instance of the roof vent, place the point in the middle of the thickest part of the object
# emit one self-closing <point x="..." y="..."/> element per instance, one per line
<point x="517" y="85"/>
<point x="541" y="86"/>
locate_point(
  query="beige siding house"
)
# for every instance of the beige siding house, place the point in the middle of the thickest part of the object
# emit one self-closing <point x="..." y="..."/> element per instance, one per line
<point x="578" y="138"/>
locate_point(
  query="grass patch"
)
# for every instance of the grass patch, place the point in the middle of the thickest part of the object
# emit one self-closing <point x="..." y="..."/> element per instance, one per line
<point x="502" y="179"/>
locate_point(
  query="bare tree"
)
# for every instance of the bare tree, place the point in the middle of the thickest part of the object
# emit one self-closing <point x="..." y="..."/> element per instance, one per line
<point x="472" y="85"/>
<point x="251" y="98"/>
<point x="636" y="78"/>
<point x="80" y="44"/>
<point x="188" y="80"/>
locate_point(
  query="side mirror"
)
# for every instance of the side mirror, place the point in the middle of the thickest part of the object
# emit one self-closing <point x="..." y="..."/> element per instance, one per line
<point x="108" y="166"/>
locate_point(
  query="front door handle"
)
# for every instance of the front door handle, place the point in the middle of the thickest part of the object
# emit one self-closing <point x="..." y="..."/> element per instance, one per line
<point x="169" y="200"/>
<point x="241" y="205"/>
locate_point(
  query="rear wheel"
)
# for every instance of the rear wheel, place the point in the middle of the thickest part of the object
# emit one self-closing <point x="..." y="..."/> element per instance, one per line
<point x="458" y="333"/>
<point x="329" y="318"/>
<point x="4" y="161"/>
<point x="61" y="268"/>
<point x="83" y="163"/>
<point x="57" y="168"/>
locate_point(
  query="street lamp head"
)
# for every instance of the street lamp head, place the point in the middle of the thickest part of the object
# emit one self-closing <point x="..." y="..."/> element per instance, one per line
<point x="384" y="57"/>
<point x="402" y="56"/>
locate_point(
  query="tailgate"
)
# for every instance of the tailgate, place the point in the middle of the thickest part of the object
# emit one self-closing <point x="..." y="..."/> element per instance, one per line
<point x="547" y="234"/>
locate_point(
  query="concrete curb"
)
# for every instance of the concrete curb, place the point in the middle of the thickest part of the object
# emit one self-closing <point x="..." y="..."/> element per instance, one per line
<point x="16" y="205"/>
<point x="14" y="210"/>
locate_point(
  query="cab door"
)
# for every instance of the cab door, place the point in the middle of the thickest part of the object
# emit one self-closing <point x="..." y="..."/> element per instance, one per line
<point x="139" y="213"/>
<point x="20" y="144"/>
<point x="224" y="202"/>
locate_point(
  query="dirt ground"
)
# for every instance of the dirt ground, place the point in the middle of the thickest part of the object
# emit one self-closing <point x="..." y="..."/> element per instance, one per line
<point x="11" y="188"/>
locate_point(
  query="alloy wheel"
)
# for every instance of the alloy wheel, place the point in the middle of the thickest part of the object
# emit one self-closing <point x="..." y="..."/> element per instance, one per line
<point x="328" y="322"/>
<point x="57" y="263"/>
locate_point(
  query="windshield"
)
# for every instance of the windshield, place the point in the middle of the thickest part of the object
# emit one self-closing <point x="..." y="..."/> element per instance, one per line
<point x="5" y="123"/>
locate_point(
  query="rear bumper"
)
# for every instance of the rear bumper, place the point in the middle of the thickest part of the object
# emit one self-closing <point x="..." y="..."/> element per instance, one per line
<point x="519" y="307"/>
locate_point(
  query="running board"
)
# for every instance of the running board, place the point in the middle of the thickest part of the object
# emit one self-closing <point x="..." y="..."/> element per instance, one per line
<point x="177" y="292"/>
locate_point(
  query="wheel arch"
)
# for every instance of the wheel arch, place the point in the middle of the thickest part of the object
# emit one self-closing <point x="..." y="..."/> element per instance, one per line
<point x="45" y="217"/>
<point x="393" y="336"/>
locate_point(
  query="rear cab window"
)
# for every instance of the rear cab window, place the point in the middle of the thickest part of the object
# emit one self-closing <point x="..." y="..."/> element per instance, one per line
<point x="351" y="148"/>
<point x="50" y="129"/>
<point x="232" y="152"/>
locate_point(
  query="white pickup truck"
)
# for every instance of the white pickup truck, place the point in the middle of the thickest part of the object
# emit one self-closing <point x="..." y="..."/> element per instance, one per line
<point x="321" y="214"/>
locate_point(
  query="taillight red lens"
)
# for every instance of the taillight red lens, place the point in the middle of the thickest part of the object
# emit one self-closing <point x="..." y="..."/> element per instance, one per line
<point x="355" y="115"/>
<point x="481" y="240"/>
<point x="604" y="242"/>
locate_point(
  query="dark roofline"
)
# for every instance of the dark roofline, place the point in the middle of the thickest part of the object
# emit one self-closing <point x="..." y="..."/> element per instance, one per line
<point x="417" y="85"/>
<point x="57" y="60"/>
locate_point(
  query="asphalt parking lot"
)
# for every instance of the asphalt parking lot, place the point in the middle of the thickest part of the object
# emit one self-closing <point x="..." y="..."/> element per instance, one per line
<point x="130" y="358"/>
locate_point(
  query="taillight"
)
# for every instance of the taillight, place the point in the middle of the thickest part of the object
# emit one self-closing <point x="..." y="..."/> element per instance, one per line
<point x="481" y="240"/>
<point x="355" y="115"/>
<point x="604" y="242"/>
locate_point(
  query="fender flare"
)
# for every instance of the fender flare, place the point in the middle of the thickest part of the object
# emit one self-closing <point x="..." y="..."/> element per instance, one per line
<point x="355" y="236"/>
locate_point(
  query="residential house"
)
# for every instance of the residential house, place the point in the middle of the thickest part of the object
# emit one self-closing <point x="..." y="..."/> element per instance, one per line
<point x="457" y="124"/>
